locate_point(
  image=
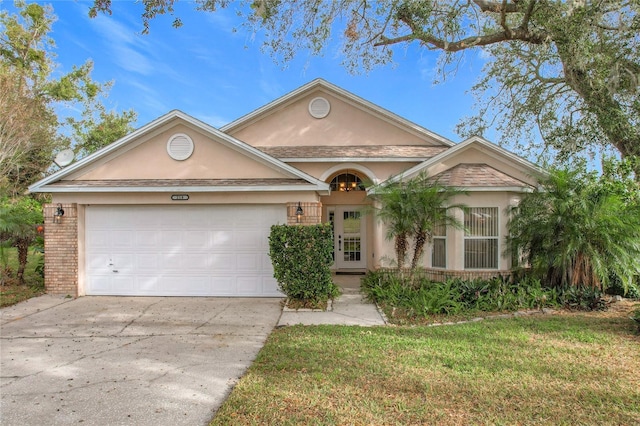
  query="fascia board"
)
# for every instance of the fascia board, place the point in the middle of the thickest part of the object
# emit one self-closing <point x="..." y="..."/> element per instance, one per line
<point x="355" y="159"/>
<point x="155" y="189"/>
<point x="349" y="97"/>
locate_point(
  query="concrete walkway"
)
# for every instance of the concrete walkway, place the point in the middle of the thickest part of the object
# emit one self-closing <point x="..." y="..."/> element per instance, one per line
<point x="349" y="309"/>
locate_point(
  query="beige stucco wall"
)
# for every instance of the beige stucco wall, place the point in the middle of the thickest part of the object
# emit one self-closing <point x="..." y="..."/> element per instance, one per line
<point x="211" y="159"/>
<point x="346" y="125"/>
<point x="455" y="238"/>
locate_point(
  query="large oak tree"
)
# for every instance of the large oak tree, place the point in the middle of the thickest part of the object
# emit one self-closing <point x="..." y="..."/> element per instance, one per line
<point x="570" y="69"/>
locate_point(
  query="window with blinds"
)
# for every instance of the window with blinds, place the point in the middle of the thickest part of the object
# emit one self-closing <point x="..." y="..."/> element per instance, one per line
<point x="481" y="238"/>
<point x="439" y="251"/>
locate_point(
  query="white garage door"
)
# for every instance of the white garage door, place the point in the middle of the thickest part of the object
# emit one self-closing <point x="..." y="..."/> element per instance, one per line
<point x="180" y="250"/>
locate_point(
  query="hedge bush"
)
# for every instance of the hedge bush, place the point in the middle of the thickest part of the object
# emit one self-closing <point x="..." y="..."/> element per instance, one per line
<point x="301" y="257"/>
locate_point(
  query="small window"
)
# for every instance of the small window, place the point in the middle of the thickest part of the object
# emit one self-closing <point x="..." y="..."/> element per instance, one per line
<point x="347" y="182"/>
<point x="439" y="251"/>
<point x="481" y="238"/>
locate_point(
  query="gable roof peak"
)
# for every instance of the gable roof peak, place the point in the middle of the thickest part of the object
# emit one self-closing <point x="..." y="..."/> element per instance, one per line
<point x="343" y="95"/>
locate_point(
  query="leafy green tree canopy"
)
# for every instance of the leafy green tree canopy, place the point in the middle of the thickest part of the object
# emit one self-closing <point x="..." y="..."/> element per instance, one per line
<point x="570" y="69"/>
<point x="33" y="123"/>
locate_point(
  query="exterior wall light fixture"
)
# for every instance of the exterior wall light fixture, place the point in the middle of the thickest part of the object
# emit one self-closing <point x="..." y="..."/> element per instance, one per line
<point x="299" y="212"/>
<point x="57" y="216"/>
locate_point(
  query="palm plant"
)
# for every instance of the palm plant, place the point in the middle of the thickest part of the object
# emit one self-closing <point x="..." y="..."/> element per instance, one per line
<point x="18" y="220"/>
<point x="432" y="210"/>
<point x="572" y="231"/>
<point x="414" y="209"/>
<point x="396" y="211"/>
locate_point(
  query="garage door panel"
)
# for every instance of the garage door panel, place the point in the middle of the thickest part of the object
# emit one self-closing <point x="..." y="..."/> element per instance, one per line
<point x="197" y="240"/>
<point x="249" y="285"/>
<point x="180" y="250"/>
<point x="147" y="238"/>
<point x="98" y="261"/>
<point x="101" y="284"/>
<point x="224" y="285"/>
<point x="123" y="284"/>
<point x="147" y="283"/>
<point x="249" y="262"/>
<point x="146" y="262"/>
<point x="248" y="239"/>
<point x="99" y="239"/>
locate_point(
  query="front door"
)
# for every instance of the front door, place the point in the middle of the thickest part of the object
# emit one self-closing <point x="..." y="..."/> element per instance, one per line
<point x="349" y="238"/>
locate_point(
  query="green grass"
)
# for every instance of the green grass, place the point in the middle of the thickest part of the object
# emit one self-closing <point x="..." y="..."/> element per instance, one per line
<point x="11" y="292"/>
<point x="565" y="369"/>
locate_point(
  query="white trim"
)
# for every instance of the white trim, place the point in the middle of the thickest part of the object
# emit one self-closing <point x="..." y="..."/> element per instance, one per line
<point x="352" y="159"/>
<point x="105" y="189"/>
<point x="227" y="140"/>
<point x="346" y="96"/>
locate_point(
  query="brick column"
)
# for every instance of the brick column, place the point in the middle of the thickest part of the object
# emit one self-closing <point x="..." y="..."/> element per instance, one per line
<point x="61" y="250"/>
<point x="312" y="213"/>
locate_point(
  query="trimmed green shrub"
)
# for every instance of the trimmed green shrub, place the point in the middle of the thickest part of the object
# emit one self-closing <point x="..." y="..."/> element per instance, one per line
<point x="301" y="257"/>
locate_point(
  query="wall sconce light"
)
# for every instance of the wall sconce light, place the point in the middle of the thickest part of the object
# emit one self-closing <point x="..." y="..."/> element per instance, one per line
<point x="299" y="212"/>
<point x="57" y="216"/>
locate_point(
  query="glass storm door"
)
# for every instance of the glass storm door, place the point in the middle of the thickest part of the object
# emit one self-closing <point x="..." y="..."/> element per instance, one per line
<point x="349" y="238"/>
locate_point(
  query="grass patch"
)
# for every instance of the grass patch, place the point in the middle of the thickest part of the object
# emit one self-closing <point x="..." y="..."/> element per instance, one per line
<point x="563" y="369"/>
<point x="11" y="292"/>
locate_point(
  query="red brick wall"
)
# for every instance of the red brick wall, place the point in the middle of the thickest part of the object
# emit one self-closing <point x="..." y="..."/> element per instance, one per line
<point x="61" y="250"/>
<point x="312" y="213"/>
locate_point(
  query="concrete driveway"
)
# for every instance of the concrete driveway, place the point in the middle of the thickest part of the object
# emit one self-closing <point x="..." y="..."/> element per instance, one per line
<point x="126" y="360"/>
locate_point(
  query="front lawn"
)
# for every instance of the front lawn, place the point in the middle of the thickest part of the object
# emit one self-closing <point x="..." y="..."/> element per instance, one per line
<point x="579" y="368"/>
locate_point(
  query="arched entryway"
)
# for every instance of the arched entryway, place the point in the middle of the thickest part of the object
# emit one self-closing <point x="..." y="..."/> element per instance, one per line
<point x="346" y="209"/>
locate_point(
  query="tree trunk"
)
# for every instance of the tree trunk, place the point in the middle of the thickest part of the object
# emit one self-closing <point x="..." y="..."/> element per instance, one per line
<point x="401" y="250"/>
<point x="421" y="239"/>
<point x="23" y="251"/>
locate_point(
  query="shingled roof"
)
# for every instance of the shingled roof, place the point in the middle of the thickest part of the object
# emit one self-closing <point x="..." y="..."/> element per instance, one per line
<point x="476" y="175"/>
<point x="416" y="152"/>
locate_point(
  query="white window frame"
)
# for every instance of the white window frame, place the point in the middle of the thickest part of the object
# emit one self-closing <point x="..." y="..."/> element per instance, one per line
<point x="494" y="238"/>
<point x="440" y="235"/>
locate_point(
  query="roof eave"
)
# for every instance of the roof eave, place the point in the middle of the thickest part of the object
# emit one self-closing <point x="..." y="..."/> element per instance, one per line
<point x="322" y="190"/>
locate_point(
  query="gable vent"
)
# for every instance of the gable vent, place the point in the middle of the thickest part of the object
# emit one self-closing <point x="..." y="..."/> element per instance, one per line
<point x="180" y="147"/>
<point x="319" y="107"/>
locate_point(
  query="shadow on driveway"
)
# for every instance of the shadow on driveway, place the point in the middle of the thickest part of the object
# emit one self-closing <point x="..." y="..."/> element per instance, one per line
<point x="127" y="360"/>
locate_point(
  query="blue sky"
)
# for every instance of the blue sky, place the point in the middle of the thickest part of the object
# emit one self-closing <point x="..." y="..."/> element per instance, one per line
<point x="217" y="75"/>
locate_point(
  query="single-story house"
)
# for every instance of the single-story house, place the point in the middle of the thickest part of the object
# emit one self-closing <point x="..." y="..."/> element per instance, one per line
<point x="180" y="208"/>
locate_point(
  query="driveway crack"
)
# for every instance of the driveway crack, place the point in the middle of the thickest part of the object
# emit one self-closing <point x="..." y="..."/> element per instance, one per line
<point x="140" y="315"/>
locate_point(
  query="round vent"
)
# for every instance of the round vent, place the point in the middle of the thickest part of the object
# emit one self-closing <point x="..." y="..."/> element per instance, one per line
<point x="180" y="147"/>
<point x="319" y="107"/>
